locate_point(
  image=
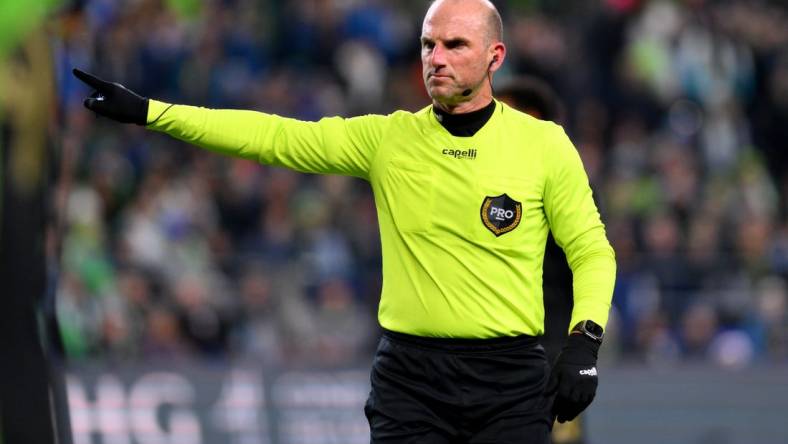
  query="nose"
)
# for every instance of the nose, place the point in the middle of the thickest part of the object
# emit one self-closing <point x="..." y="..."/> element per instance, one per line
<point x="438" y="56"/>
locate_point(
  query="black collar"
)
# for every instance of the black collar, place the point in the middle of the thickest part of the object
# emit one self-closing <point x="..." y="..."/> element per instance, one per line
<point x="465" y="125"/>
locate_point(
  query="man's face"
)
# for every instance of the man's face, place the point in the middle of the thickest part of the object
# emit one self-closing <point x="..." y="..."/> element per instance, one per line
<point x="454" y="50"/>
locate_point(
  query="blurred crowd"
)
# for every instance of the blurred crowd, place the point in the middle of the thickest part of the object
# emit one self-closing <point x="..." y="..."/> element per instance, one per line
<point x="679" y="110"/>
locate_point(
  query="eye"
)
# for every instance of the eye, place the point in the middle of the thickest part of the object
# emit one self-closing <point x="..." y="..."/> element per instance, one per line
<point x="456" y="44"/>
<point x="427" y="44"/>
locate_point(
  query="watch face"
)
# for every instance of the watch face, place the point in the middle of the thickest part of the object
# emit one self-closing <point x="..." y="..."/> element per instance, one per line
<point x="594" y="328"/>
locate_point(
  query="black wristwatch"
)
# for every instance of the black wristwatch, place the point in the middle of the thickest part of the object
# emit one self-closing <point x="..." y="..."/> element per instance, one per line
<point x="591" y="329"/>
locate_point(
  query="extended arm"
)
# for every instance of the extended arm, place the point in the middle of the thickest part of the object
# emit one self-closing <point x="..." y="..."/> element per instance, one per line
<point x="332" y="145"/>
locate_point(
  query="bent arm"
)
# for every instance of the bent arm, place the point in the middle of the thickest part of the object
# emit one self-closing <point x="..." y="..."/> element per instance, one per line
<point x="332" y="146"/>
<point x="578" y="229"/>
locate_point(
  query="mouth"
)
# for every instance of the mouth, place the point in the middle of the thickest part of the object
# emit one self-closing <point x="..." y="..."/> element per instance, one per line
<point x="438" y="77"/>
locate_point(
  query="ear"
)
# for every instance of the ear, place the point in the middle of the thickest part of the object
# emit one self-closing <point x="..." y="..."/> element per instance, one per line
<point x="498" y="54"/>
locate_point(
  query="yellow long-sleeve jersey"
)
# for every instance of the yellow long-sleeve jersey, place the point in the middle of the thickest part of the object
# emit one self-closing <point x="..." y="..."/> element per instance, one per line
<point x="463" y="220"/>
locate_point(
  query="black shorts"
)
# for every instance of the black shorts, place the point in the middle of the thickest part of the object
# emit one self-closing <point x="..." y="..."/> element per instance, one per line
<point x="434" y="390"/>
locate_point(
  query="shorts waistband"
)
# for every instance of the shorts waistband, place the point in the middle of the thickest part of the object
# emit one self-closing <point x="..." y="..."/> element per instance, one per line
<point x="466" y="345"/>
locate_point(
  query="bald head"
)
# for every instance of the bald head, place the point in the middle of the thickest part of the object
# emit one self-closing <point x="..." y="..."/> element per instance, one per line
<point x="461" y="49"/>
<point x="486" y="10"/>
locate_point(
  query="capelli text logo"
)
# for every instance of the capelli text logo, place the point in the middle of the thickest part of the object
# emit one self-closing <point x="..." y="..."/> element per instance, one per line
<point x="469" y="154"/>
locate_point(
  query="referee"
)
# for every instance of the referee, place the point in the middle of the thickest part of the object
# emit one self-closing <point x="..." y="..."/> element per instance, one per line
<point x="466" y="190"/>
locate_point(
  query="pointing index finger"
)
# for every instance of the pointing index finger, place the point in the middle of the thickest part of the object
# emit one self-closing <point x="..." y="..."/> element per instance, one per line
<point x="90" y="79"/>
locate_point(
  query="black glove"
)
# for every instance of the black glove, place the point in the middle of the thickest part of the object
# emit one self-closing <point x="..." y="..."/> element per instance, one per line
<point x="114" y="100"/>
<point x="574" y="377"/>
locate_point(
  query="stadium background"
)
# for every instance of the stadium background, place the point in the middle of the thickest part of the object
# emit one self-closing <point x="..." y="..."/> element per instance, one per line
<point x="190" y="282"/>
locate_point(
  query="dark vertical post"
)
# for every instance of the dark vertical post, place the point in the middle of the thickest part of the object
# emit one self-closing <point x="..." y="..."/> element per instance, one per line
<point x="29" y="382"/>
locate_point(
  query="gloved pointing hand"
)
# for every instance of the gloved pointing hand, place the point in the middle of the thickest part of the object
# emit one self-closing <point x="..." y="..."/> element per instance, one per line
<point x="114" y="100"/>
<point x="574" y="378"/>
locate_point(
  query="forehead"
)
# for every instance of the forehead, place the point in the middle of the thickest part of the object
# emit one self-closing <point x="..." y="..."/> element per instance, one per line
<point x="449" y="20"/>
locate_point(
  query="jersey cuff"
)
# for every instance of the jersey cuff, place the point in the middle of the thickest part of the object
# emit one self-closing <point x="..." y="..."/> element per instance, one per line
<point x="155" y="110"/>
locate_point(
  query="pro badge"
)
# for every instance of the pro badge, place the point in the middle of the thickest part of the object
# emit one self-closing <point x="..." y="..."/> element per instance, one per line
<point x="501" y="214"/>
